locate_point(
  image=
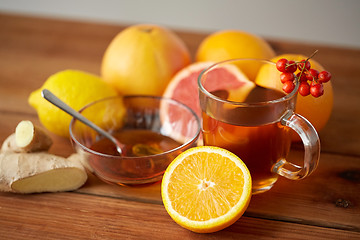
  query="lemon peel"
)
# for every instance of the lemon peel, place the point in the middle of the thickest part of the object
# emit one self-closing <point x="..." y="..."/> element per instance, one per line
<point x="77" y="89"/>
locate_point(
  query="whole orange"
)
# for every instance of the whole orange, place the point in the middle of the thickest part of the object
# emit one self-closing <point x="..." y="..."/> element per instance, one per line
<point x="229" y="44"/>
<point x="143" y="58"/>
<point x="316" y="110"/>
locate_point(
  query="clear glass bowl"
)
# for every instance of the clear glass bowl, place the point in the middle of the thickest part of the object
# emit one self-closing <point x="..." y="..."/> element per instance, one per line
<point x="161" y="116"/>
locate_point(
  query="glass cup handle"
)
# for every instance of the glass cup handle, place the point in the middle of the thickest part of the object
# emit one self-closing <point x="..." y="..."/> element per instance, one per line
<point x="311" y="143"/>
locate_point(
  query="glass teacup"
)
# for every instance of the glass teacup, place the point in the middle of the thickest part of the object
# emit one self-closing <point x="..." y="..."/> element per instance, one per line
<point x="256" y="128"/>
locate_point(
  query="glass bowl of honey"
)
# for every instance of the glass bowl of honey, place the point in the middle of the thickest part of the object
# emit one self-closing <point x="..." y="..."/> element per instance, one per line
<point x="152" y="131"/>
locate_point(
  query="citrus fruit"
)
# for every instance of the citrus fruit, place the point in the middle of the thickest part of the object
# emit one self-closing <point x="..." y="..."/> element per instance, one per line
<point x="230" y="44"/>
<point x="142" y="59"/>
<point x="316" y="110"/>
<point x="75" y="88"/>
<point x="183" y="87"/>
<point x="206" y="189"/>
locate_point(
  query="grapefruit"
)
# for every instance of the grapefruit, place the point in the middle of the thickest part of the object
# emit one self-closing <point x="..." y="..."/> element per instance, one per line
<point x="316" y="110"/>
<point x="184" y="85"/>
<point x="230" y="44"/>
<point x="142" y="59"/>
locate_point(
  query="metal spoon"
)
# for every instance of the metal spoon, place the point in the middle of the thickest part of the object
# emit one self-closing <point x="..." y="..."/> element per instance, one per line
<point x="66" y="108"/>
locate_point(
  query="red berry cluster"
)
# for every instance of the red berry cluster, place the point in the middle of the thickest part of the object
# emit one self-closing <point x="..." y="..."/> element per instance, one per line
<point x="311" y="80"/>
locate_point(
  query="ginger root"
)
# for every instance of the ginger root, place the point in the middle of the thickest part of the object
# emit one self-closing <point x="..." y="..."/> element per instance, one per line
<point x="31" y="138"/>
<point x="26" y="167"/>
<point x="27" y="138"/>
<point x="39" y="172"/>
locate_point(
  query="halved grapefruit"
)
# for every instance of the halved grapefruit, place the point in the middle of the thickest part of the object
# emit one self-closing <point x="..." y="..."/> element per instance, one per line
<point x="184" y="85"/>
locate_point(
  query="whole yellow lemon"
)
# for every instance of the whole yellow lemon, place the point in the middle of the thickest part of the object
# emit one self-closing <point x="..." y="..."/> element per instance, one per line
<point x="316" y="110"/>
<point x="75" y="88"/>
<point x="142" y="59"/>
<point x="230" y="44"/>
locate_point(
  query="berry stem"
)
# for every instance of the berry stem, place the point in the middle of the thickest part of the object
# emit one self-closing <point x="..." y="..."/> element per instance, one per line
<point x="312" y="55"/>
<point x="303" y="68"/>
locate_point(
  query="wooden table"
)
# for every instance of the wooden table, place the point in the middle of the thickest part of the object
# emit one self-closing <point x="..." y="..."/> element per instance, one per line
<point x="324" y="206"/>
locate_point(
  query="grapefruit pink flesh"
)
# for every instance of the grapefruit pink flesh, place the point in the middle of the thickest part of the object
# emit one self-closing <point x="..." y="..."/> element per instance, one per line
<point x="184" y="85"/>
<point x="184" y="88"/>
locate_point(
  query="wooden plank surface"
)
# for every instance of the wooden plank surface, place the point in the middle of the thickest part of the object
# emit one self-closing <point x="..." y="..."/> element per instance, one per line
<point x="324" y="206"/>
<point x="79" y="216"/>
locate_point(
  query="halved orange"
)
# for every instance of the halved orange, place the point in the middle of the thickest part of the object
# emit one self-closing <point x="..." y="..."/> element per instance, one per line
<point x="206" y="189"/>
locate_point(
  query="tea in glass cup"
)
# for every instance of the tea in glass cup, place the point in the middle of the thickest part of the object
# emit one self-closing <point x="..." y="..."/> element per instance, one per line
<point x="256" y="126"/>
